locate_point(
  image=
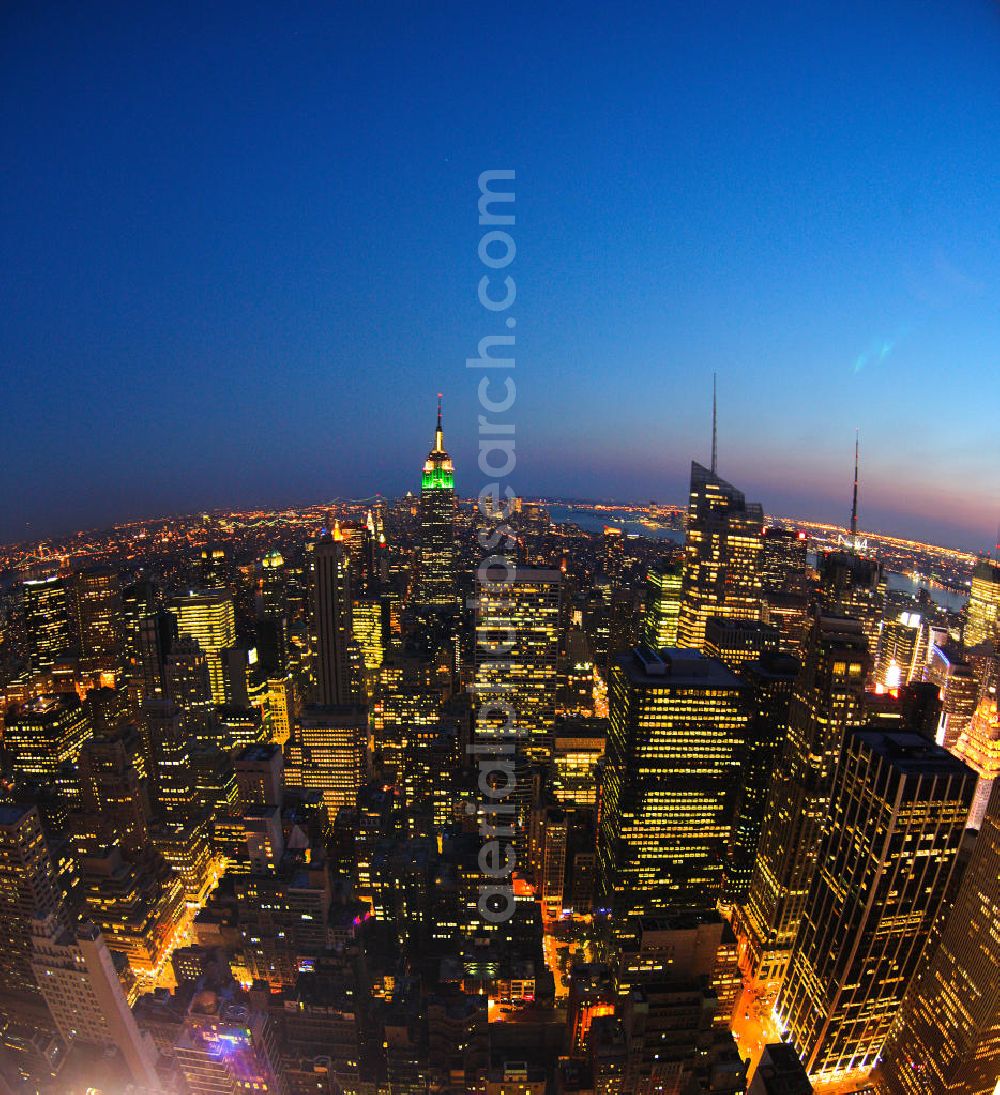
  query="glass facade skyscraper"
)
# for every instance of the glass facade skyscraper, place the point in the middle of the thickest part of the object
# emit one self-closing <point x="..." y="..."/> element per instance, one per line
<point x="670" y="785"/>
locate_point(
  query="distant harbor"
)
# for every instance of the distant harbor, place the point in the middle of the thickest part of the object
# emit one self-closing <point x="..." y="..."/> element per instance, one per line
<point x="591" y="520"/>
<point x="596" y="521"/>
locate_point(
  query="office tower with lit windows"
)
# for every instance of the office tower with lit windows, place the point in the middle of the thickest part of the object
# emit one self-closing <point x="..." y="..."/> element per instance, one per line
<point x="982" y="613"/>
<point x="946" y="1037"/>
<point x="436" y="579"/>
<point x="952" y="673"/>
<point x="155" y="637"/>
<point x="827" y="700"/>
<point x="518" y="628"/>
<point x="138" y="600"/>
<point x="114" y="797"/>
<point x="211" y="567"/>
<point x="896" y="818"/>
<point x="852" y="584"/>
<point x="328" y="751"/>
<point x="722" y="556"/>
<point x="48" y="621"/>
<point x="169" y="748"/>
<point x="576" y="689"/>
<point x="81" y="986"/>
<point x="902" y="651"/>
<point x="272" y="585"/>
<point x="770" y="680"/>
<point x="784" y="559"/>
<point x="210" y="619"/>
<point x="737" y="641"/>
<point x="29" y="890"/>
<point x="42" y="735"/>
<point x="613" y="555"/>
<point x="663" y="602"/>
<point x="578" y="746"/>
<point x="137" y="905"/>
<point x="369" y="632"/>
<point x="408" y="698"/>
<point x="188" y="684"/>
<point x="979" y="747"/>
<point x="98" y="612"/>
<point x="676" y="740"/>
<point x="331" y="627"/>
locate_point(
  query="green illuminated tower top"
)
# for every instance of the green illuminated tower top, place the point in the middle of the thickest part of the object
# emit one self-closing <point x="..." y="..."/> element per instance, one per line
<point x="439" y="472"/>
<point x="436" y="572"/>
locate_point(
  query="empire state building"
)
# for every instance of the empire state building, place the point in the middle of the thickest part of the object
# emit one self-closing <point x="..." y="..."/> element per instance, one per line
<point x="436" y="572"/>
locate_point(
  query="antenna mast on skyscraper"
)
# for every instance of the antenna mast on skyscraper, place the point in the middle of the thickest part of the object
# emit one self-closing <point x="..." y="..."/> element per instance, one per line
<point x="715" y="423"/>
<point x="854" y="504"/>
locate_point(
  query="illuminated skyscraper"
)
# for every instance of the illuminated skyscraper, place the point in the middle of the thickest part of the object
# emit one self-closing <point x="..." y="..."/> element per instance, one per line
<point x="188" y="684"/>
<point x="47" y="621"/>
<point x="98" y="612"/>
<point x="784" y="559"/>
<point x="982" y="613"/>
<point x="737" y="641"/>
<point x="946" y="1038"/>
<point x="956" y="682"/>
<point x="42" y="735"/>
<point x="328" y="752"/>
<point x="853" y="585"/>
<point x="721" y="557"/>
<point x="979" y="747"/>
<point x="332" y="636"/>
<point x="212" y="567"/>
<point x="436" y="586"/>
<point x="78" y="979"/>
<point x="902" y="651"/>
<point x="897" y="815"/>
<point x="209" y="618"/>
<point x="113" y="788"/>
<point x="663" y="602"/>
<point x="517" y="651"/>
<point x="670" y="786"/>
<point x="272" y="588"/>
<point x="29" y="889"/>
<point x="613" y="561"/>
<point x="827" y="700"/>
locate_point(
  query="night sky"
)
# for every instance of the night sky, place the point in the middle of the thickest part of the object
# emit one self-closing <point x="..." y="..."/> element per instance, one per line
<point x="238" y="252"/>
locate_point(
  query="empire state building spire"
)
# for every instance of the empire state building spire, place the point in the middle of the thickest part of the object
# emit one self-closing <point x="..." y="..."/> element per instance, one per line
<point x="439" y="433"/>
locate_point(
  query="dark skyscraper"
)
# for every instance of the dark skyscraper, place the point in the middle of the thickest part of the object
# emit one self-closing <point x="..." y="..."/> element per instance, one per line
<point x="896" y="819"/>
<point x="827" y="700"/>
<point x="331" y="621"/>
<point x="771" y="679"/>
<point x="436" y="570"/>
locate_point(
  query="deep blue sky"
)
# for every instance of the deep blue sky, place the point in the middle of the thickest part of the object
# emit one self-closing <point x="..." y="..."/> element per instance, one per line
<point x="239" y="251"/>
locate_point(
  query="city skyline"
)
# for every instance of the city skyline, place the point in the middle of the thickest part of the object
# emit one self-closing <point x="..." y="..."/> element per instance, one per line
<point x="245" y="253"/>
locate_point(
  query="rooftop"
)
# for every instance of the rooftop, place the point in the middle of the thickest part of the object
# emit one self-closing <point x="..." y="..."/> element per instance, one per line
<point x="675" y="667"/>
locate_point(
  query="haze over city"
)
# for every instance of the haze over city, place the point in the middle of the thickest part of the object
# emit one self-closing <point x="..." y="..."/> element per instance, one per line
<point x="240" y="254"/>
